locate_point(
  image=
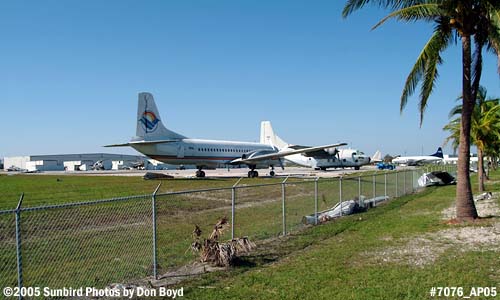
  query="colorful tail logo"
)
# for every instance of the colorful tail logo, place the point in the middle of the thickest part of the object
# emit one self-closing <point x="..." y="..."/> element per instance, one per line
<point x="149" y="121"/>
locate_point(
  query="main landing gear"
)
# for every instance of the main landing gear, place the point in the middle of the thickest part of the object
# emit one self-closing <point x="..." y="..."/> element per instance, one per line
<point x="200" y="173"/>
<point x="253" y="174"/>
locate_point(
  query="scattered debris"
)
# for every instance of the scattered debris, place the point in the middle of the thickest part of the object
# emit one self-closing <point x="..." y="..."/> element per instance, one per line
<point x="343" y="208"/>
<point x="374" y="201"/>
<point x="483" y="196"/>
<point x="151" y="175"/>
<point x="436" y="178"/>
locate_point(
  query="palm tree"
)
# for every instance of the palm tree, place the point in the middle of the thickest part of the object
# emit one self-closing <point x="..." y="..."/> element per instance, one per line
<point x="471" y="21"/>
<point x="485" y="128"/>
<point x="493" y="152"/>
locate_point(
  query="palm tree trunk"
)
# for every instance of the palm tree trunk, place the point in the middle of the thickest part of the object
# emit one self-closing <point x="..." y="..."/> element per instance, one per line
<point x="466" y="210"/>
<point x="480" y="170"/>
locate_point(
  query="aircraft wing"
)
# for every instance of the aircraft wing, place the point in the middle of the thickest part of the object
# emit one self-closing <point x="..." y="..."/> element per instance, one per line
<point x="320" y="153"/>
<point x="277" y="155"/>
<point x="141" y="143"/>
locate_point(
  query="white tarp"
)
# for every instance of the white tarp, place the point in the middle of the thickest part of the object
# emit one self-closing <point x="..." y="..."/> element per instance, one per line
<point x="436" y="178"/>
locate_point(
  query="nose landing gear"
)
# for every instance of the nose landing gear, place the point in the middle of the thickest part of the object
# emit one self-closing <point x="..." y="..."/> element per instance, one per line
<point x="272" y="173"/>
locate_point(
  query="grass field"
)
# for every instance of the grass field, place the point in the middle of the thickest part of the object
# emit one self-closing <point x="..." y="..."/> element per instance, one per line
<point x="95" y="245"/>
<point x="354" y="257"/>
<point x="51" y="189"/>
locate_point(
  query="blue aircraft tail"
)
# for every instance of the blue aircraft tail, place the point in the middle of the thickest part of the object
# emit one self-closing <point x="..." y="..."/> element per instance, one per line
<point x="439" y="153"/>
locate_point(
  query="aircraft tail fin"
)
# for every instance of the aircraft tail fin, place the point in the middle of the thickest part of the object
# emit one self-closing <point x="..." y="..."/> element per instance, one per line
<point x="377" y="157"/>
<point x="439" y="153"/>
<point x="149" y="124"/>
<point x="268" y="137"/>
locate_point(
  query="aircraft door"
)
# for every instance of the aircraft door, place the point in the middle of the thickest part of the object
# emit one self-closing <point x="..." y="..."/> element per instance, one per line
<point x="180" y="150"/>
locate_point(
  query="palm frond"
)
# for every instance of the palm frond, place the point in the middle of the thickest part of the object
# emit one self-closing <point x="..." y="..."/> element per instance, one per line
<point x="429" y="57"/>
<point x="493" y="30"/>
<point x="493" y="45"/>
<point x="457" y="110"/>
<point x="477" y="65"/>
<point x="353" y="5"/>
<point x="485" y="122"/>
<point x="425" y="11"/>
<point x="430" y="76"/>
<point x="454" y="128"/>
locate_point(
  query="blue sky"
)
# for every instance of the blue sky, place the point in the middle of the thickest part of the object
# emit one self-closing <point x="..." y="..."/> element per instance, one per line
<point x="70" y="72"/>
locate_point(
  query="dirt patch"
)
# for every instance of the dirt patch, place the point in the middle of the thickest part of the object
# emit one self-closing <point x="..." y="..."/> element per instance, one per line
<point x="485" y="208"/>
<point x="425" y="249"/>
<point x="417" y="252"/>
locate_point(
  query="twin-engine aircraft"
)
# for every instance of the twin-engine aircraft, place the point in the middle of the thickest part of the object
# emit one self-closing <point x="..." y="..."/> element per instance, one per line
<point x="154" y="140"/>
<point x="318" y="160"/>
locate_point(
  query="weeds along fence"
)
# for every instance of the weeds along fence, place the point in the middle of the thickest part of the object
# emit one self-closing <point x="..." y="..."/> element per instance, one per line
<point x="119" y="240"/>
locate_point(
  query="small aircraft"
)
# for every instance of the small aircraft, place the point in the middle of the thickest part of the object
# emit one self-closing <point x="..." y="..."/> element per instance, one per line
<point x="420" y="160"/>
<point x="320" y="159"/>
<point x="15" y="169"/>
<point x="154" y="140"/>
<point x="137" y="165"/>
<point x="98" y="165"/>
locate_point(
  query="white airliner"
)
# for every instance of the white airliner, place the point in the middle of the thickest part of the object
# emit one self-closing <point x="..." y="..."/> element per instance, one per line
<point x="419" y="160"/>
<point x="154" y="140"/>
<point x="320" y="159"/>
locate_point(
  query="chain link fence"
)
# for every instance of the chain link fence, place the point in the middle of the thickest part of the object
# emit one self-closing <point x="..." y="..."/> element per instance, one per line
<point x="120" y="240"/>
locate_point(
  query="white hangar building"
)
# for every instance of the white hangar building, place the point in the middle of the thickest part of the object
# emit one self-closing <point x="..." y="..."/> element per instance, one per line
<point x="72" y="162"/>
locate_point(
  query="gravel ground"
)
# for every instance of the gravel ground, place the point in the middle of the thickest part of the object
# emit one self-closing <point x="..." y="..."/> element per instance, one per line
<point x="425" y="249"/>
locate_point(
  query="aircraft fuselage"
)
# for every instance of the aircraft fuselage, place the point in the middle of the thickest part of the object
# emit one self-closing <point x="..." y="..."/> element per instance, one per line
<point x="199" y="152"/>
<point x="347" y="158"/>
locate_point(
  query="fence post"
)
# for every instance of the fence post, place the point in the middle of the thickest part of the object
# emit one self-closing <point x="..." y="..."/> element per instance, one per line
<point x="283" y="203"/>
<point x="18" y="245"/>
<point x="316" y="201"/>
<point x="340" y="194"/>
<point x="155" y="237"/>
<point x="412" y="181"/>
<point x="374" y="187"/>
<point x="233" y="203"/>
<point x="359" y="192"/>
<point x="397" y="184"/>
<point x="404" y="182"/>
<point x="385" y="184"/>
